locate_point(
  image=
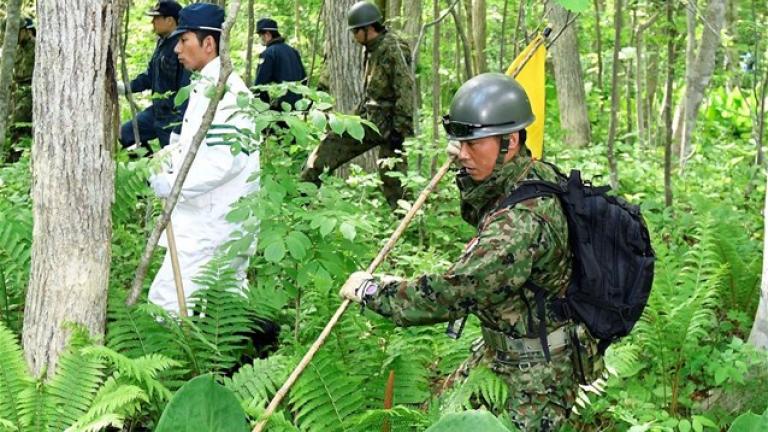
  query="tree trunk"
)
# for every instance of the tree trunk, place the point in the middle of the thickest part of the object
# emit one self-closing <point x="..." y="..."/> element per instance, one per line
<point x="640" y="101"/>
<point x="702" y="73"/>
<point x="249" y="44"/>
<point x="759" y="334"/>
<point x="668" y="105"/>
<point x="393" y="13"/>
<point x="503" y="44"/>
<point x="345" y="69"/>
<point x="10" y="42"/>
<point x="598" y="47"/>
<point x="435" y="81"/>
<point x="690" y="59"/>
<point x="614" y="175"/>
<point x="297" y="20"/>
<point x="568" y="76"/>
<point x="412" y="12"/>
<point x="479" y="26"/>
<point x="520" y="29"/>
<point x="73" y="175"/>
<point x="456" y="13"/>
<point x="470" y="23"/>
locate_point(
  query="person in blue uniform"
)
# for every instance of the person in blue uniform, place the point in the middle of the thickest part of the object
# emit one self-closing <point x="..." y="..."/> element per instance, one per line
<point x="279" y="63"/>
<point x="164" y="76"/>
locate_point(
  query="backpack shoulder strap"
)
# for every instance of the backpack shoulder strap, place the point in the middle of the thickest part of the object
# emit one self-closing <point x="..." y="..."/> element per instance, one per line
<point x="528" y="190"/>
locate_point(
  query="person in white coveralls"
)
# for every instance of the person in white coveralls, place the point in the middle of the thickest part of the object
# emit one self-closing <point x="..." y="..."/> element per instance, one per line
<point x="217" y="178"/>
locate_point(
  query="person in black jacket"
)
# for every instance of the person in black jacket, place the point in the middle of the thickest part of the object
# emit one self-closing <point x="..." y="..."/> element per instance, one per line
<point x="164" y="76"/>
<point x="279" y="63"/>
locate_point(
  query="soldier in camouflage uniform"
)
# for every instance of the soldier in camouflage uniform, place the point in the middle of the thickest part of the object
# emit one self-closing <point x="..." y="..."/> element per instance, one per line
<point x="21" y="90"/>
<point x="527" y="243"/>
<point x="387" y="103"/>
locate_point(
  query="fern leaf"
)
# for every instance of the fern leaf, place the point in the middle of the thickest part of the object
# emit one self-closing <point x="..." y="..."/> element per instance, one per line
<point x="14" y="378"/>
<point x="72" y="390"/>
<point x="326" y="396"/>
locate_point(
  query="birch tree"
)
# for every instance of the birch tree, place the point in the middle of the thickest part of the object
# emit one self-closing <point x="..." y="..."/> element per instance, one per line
<point x="75" y="105"/>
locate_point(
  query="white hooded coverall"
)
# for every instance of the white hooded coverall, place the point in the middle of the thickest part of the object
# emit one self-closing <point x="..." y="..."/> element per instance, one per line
<point x="215" y="180"/>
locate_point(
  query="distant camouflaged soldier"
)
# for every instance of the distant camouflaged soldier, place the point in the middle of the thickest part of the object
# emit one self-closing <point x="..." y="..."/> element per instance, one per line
<point x="388" y="103"/>
<point x="527" y="243"/>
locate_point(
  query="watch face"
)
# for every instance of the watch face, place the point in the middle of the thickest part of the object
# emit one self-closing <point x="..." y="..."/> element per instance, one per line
<point x="371" y="288"/>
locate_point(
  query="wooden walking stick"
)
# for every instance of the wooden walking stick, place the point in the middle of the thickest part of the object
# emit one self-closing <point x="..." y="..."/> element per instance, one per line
<point x="176" y="270"/>
<point x="340" y="311"/>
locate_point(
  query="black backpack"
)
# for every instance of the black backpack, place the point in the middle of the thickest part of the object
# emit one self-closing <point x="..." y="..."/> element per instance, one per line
<point x="612" y="258"/>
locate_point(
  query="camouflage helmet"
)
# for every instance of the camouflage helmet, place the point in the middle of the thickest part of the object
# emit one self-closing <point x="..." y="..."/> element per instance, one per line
<point x="362" y="14"/>
<point x="489" y="104"/>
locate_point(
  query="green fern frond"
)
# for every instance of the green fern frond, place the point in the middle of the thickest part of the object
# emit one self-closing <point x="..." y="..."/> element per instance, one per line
<point x="112" y="403"/>
<point x="7" y="426"/>
<point x="481" y="386"/>
<point x="258" y="382"/>
<point x="326" y="395"/>
<point x="99" y="424"/>
<point x="73" y="388"/>
<point x="143" y="370"/>
<point x="130" y="184"/>
<point x="399" y="417"/>
<point x="14" y="378"/>
<point x="15" y="249"/>
<point x="224" y="318"/>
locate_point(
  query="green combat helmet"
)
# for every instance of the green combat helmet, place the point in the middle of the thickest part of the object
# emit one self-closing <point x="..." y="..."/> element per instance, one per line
<point x="362" y="14"/>
<point x="489" y="104"/>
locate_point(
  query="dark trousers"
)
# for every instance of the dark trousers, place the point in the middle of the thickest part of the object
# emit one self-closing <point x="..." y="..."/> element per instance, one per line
<point x="149" y="128"/>
<point x="336" y="150"/>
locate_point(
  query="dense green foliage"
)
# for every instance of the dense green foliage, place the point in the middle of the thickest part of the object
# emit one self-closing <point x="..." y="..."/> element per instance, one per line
<point x="685" y="367"/>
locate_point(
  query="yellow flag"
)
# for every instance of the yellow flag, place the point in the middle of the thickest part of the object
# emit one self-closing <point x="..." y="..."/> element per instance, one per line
<point x="529" y="67"/>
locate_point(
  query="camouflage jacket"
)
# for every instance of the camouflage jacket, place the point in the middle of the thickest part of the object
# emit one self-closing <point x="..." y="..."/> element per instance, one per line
<point x="389" y="85"/>
<point x="527" y="241"/>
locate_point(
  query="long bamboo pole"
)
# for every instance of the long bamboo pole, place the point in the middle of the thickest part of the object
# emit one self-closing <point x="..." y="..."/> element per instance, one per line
<point x="340" y="311"/>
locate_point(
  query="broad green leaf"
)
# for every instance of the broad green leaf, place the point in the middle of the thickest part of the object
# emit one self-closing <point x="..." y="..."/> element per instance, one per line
<point x="336" y="124"/>
<point x="203" y="405"/>
<point x="468" y="421"/>
<point x="749" y="422"/>
<point x="684" y="425"/>
<point x="355" y="129"/>
<point x="182" y="95"/>
<point x="275" y="252"/>
<point x="296" y="246"/>
<point x="318" y="120"/>
<point x="326" y="226"/>
<point x="348" y="231"/>
<point x="242" y="100"/>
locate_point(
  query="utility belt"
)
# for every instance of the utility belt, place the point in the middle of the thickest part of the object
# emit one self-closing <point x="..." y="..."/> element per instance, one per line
<point x="525" y="351"/>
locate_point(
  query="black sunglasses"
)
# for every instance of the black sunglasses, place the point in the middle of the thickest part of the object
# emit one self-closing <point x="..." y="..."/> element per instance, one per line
<point x="458" y="129"/>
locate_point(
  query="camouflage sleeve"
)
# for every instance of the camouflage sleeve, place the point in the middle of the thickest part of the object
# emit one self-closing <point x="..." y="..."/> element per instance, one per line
<point x="493" y="265"/>
<point x="403" y="83"/>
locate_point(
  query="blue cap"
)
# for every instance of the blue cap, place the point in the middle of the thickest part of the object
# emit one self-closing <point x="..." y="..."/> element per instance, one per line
<point x="266" y="24"/>
<point x="200" y="16"/>
<point x="166" y="8"/>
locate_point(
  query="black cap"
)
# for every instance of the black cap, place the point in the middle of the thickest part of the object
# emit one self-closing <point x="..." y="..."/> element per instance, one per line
<point x="166" y="8"/>
<point x="265" y="25"/>
<point x="200" y="16"/>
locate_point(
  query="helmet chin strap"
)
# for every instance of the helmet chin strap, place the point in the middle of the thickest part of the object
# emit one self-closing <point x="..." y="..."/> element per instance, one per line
<point x="503" y="149"/>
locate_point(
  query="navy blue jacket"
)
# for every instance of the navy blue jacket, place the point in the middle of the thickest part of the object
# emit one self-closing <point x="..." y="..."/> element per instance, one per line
<point x="280" y="63"/>
<point x="164" y="73"/>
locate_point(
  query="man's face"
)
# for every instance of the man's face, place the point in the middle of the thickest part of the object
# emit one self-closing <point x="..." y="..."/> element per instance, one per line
<point x="359" y="35"/>
<point x="265" y="37"/>
<point x="163" y="26"/>
<point x="192" y="54"/>
<point x="479" y="156"/>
